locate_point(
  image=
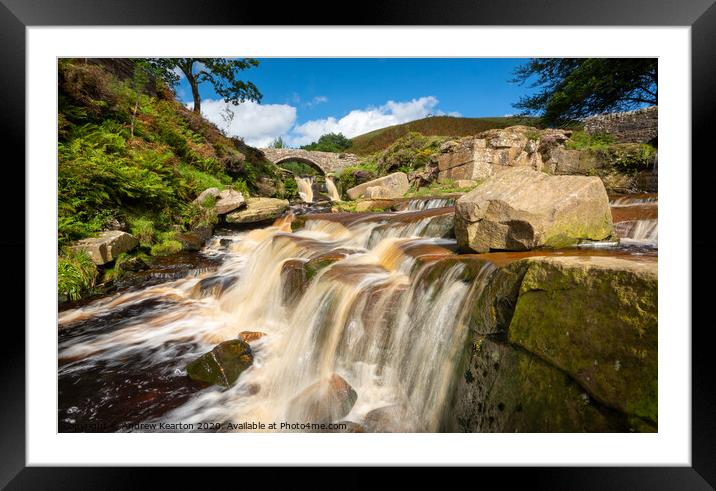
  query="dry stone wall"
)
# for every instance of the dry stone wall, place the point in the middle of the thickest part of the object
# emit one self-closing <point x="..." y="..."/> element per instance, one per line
<point x="638" y="126"/>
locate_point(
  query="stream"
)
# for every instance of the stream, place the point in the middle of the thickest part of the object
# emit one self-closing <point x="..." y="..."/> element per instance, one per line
<point x="383" y="312"/>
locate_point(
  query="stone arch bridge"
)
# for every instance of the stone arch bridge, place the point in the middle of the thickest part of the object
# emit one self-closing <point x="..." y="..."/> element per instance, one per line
<point x="324" y="162"/>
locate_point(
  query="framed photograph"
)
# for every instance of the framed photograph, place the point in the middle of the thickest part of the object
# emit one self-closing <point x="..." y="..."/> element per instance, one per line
<point x="427" y="238"/>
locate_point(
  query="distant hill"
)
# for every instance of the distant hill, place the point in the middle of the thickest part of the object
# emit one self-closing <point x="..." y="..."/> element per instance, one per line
<point x="432" y="126"/>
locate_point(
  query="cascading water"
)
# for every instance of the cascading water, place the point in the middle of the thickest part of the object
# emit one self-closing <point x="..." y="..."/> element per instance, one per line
<point x="635" y="218"/>
<point x="305" y="188"/>
<point x="332" y="190"/>
<point x="385" y="316"/>
<point x="429" y="203"/>
<point x="365" y="313"/>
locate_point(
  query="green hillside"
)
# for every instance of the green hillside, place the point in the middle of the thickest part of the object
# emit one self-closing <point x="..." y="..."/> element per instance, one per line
<point x="433" y="126"/>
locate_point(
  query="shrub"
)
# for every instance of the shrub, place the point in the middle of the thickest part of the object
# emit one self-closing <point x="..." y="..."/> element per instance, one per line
<point x="76" y="274"/>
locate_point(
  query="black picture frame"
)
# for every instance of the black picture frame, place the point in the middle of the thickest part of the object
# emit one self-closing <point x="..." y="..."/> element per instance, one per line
<point x="700" y="15"/>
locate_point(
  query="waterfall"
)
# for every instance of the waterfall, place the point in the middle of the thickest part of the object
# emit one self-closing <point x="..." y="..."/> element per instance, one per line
<point x="332" y="190"/>
<point x="305" y="188"/>
<point x="387" y="316"/>
<point x="641" y="231"/>
<point x="429" y="203"/>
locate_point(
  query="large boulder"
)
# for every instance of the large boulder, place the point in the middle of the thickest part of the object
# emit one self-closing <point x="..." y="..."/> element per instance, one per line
<point x="108" y="246"/>
<point x="206" y="194"/>
<point x="595" y="318"/>
<point x="228" y="201"/>
<point x="521" y="209"/>
<point x="393" y="185"/>
<point x="506" y="389"/>
<point x="223" y="364"/>
<point x="258" y="210"/>
<point x="325" y="401"/>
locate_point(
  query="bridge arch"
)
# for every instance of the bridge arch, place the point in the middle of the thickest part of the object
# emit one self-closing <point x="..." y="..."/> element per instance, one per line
<point x="325" y="162"/>
<point x="304" y="160"/>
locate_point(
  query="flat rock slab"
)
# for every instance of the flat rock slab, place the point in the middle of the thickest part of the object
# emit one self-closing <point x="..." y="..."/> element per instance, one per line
<point x="229" y="200"/>
<point x="258" y="210"/>
<point x="594" y="318"/>
<point x="108" y="246"/>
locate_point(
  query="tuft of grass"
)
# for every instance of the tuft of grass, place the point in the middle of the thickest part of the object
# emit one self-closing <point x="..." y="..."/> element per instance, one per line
<point x="166" y="247"/>
<point x="143" y="229"/>
<point x="447" y="186"/>
<point x="76" y="274"/>
<point x="584" y="141"/>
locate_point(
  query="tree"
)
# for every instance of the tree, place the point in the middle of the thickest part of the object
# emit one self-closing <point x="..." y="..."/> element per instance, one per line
<point x="331" y="142"/>
<point x="573" y="88"/>
<point x="220" y="72"/>
<point x="277" y="143"/>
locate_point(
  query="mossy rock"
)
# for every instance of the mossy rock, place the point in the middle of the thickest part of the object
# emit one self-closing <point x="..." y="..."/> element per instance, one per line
<point x="222" y="365"/>
<point x="595" y="318"/>
<point x="315" y="265"/>
<point x="506" y="389"/>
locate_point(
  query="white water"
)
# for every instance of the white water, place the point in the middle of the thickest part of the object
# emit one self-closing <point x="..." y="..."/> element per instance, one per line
<point x="373" y="317"/>
<point x="332" y="190"/>
<point x="305" y="188"/>
<point x="427" y="204"/>
<point x="638" y="231"/>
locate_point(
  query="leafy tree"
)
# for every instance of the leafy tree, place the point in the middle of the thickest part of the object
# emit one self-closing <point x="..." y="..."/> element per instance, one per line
<point x="219" y="72"/>
<point x="277" y="143"/>
<point x="331" y="142"/>
<point x="573" y="88"/>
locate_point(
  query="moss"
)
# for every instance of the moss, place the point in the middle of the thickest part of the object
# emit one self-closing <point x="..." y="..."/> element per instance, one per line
<point x="515" y="391"/>
<point x="222" y="365"/>
<point x="166" y="247"/>
<point x="315" y="265"/>
<point x="568" y="233"/>
<point x="597" y="324"/>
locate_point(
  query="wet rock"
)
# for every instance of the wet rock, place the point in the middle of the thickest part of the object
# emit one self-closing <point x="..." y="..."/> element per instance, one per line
<point x="108" y="246"/>
<point x="595" y="318"/>
<point x="133" y="264"/>
<point x="387" y="419"/>
<point x="250" y="336"/>
<point x="506" y="389"/>
<point x="294" y="280"/>
<point x="258" y="210"/>
<point x="521" y="209"/>
<point x="223" y="364"/>
<point x="391" y="186"/>
<point x="228" y="201"/>
<point x="195" y="239"/>
<point x="325" y="401"/>
<point x="213" y="286"/>
<point x="316" y="264"/>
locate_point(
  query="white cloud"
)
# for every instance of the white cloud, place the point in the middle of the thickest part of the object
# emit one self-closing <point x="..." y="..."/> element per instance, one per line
<point x="257" y="124"/>
<point x="361" y="121"/>
<point x="260" y="124"/>
<point x="319" y="99"/>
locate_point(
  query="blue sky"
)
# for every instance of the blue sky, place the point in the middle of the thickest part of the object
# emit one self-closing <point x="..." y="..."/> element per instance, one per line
<point x="304" y="98"/>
